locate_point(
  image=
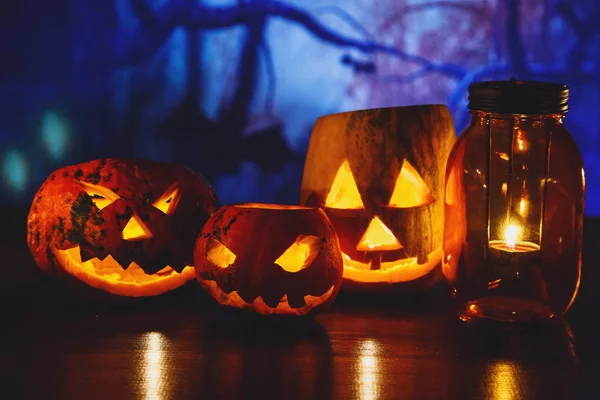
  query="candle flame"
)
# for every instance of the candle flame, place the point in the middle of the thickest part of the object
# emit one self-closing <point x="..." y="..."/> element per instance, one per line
<point x="511" y="235"/>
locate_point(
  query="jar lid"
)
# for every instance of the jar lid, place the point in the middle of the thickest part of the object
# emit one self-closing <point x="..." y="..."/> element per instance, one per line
<point x="519" y="97"/>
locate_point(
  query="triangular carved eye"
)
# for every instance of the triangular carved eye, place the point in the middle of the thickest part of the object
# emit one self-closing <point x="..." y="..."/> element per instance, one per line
<point x="101" y="196"/>
<point x="410" y="190"/>
<point x="301" y="254"/>
<point x="168" y="201"/>
<point x="218" y="254"/>
<point x="344" y="193"/>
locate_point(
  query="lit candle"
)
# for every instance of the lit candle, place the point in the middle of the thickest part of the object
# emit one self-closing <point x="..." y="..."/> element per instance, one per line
<point x="511" y="243"/>
<point x="512" y="258"/>
<point x="513" y="272"/>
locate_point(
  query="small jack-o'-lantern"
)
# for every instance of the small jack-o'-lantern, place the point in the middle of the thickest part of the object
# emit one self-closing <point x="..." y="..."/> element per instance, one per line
<point x="272" y="259"/>
<point x="126" y="227"/>
<point x="379" y="175"/>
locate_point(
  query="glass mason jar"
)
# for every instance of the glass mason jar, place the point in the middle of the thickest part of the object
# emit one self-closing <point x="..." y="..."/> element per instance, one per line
<point x="514" y="201"/>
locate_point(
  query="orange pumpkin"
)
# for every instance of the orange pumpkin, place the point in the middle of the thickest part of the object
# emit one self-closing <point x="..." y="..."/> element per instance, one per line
<point x="379" y="176"/>
<point x="125" y="227"/>
<point x="271" y="259"/>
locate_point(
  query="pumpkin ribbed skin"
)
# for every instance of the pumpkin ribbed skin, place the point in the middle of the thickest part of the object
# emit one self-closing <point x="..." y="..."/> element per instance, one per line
<point x="394" y="155"/>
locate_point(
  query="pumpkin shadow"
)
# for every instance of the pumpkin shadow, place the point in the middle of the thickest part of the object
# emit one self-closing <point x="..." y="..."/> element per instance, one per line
<point x="74" y="296"/>
<point x="434" y="301"/>
<point x="265" y="358"/>
<point x="180" y="352"/>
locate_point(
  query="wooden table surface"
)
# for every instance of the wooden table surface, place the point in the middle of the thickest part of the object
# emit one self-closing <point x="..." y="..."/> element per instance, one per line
<point x="361" y="348"/>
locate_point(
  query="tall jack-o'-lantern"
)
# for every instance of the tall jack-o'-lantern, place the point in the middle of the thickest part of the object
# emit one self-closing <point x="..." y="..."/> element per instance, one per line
<point x="379" y="175"/>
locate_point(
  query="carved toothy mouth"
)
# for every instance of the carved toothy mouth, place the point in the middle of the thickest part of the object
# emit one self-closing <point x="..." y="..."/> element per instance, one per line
<point x="258" y="305"/>
<point x="403" y="270"/>
<point x="107" y="274"/>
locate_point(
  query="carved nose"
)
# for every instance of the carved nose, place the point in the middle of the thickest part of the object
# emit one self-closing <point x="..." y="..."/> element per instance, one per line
<point x="136" y="230"/>
<point x="378" y="237"/>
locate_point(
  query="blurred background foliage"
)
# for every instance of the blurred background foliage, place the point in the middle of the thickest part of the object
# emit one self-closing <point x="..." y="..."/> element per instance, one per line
<point x="232" y="88"/>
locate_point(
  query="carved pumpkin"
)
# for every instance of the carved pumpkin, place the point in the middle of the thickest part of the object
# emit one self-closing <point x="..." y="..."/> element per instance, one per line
<point x="126" y="227"/>
<point x="270" y="259"/>
<point x="379" y="175"/>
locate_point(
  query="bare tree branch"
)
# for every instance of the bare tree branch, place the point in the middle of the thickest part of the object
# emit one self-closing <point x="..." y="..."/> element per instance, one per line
<point x="346" y="17"/>
<point x="182" y="13"/>
<point x="271" y="76"/>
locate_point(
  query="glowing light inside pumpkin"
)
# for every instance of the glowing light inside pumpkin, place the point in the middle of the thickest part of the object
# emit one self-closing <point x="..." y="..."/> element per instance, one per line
<point x="135" y="230"/>
<point x="410" y="189"/>
<point x="109" y="275"/>
<point x="101" y="196"/>
<point x="218" y="254"/>
<point x="403" y="270"/>
<point x="300" y="254"/>
<point x="511" y="235"/>
<point x="168" y="201"/>
<point x="378" y="237"/>
<point x="344" y="193"/>
<point x="233" y="299"/>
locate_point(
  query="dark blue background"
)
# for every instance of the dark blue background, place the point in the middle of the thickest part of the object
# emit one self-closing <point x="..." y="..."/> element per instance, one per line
<point x="232" y="88"/>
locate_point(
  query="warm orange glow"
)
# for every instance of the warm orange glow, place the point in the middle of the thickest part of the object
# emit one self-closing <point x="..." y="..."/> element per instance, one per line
<point x="512" y="241"/>
<point x="511" y="235"/>
<point x="135" y="230"/>
<point x="300" y="254"/>
<point x="523" y="207"/>
<point x="410" y="189"/>
<point x="233" y="299"/>
<point x="218" y="254"/>
<point x="404" y="270"/>
<point x="168" y="201"/>
<point x="101" y="196"/>
<point x="378" y="237"/>
<point x="109" y="275"/>
<point x="368" y="369"/>
<point x="344" y="193"/>
<point x="153" y="365"/>
<point x="503" y="381"/>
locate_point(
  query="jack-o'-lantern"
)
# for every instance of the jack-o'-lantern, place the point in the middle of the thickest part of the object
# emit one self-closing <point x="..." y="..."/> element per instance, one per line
<point x="126" y="227"/>
<point x="379" y="176"/>
<point x="271" y="259"/>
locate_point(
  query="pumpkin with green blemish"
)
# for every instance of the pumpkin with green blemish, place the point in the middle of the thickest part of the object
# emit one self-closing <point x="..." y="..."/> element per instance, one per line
<point x="126" y="227"/>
